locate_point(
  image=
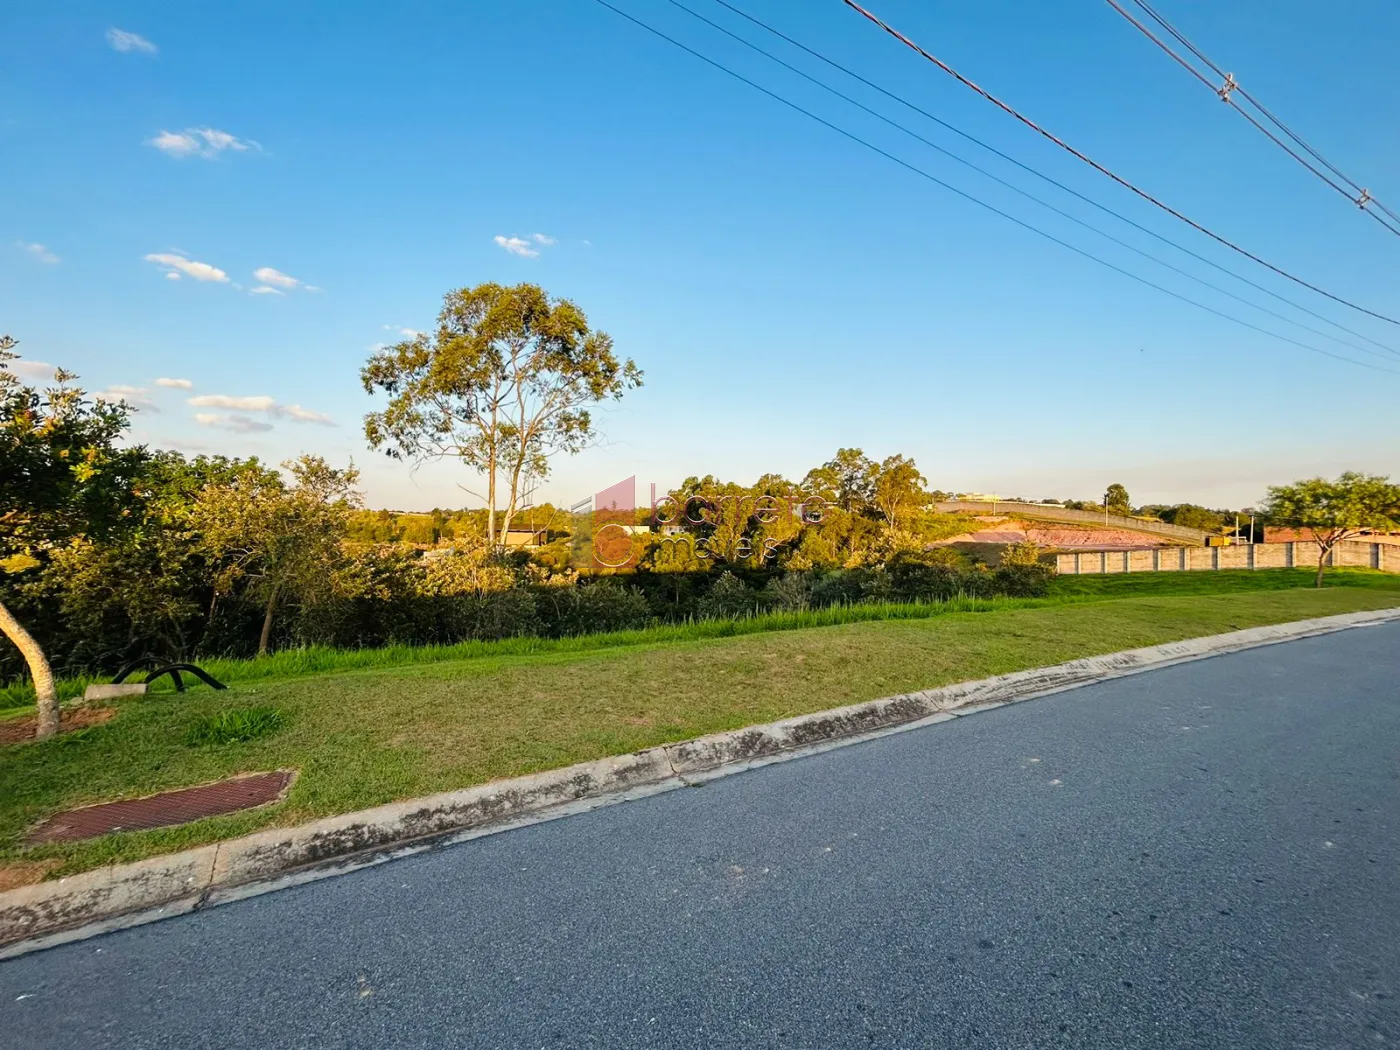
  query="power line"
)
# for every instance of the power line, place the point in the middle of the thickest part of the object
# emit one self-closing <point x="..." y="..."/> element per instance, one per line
<point x="1364" y="196"/>
<point x="992" y="149"/>
<point x="1227" y="91"/>
<point x="1011" y="186"/>
<point x="1103" y="170"/>
<point x="975" y="200"/>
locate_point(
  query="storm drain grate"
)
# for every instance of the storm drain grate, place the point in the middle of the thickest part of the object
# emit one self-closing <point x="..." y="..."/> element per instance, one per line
<point x="164" y="810"/>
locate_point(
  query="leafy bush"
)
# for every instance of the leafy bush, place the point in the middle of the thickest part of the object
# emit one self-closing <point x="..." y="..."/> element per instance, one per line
<point x="593" y="607"/>
<point x="789" y="593"/>
<point x="490" y="616"/>
<point x="1025" y="553"/>
<point x="925" y="576"/>
<point x="1023" y="581"/>
<point x="234" y="726"/>
<point x="839" y="587"/>
<point x="729" y="599"/>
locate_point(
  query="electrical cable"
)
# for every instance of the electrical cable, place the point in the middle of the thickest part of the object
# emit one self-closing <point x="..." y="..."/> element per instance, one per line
<point x="1046" y="178"/>
<point x="1105" y="171"/>
<point x="975" y="200"/>
<point x="1229" y="88"/>
<point x="1229" y="78"/>
<point x="1016" y="189"/>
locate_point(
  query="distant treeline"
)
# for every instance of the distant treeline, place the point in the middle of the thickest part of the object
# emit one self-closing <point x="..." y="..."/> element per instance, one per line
<point x="216" y="556"/>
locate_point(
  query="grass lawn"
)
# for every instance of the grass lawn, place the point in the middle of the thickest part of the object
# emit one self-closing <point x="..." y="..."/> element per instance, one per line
<point x="366" y="735"/>
<point x="318" y="659"/>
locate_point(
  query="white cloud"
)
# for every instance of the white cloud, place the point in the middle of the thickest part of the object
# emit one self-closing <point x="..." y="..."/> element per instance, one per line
<point x="201" y="142"/>
<point x="175" y="384"/>
<point x="407" y="333"/>
<point x="264" y="289"/>
<point x="543" y="238"/>
<point x="133" y="396"/>
<point x="267" y="275"/>
<point x="38" y="251"/>
<point x="218" y="141"/>
<point x="121" y="40"/>
<point x="297" y="414"/>
<point x="175" y="143"/>
<point x="198" y="270"/>
<point x="234" y="423"/>
<point x="516" y="246"/>
<point x="172" y="276"/>
<point x="31" y="369"/>
<point x="313" y="288"/>
<point x="258" y="403"/>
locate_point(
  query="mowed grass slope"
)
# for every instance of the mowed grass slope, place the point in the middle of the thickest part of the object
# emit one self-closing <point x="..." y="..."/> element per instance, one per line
<point x="294" y="663"/>
<point x="368" y="736"/>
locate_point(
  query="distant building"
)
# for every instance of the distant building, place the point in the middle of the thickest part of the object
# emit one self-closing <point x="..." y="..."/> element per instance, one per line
<point x="982" y="497"/>
<point x="526" y="538"/>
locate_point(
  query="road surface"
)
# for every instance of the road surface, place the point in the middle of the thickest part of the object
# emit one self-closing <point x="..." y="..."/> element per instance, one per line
<point x="1202" y="856"/>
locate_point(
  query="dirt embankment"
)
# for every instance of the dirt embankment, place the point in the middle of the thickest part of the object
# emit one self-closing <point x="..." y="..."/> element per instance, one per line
<point x="1060" y="537"/>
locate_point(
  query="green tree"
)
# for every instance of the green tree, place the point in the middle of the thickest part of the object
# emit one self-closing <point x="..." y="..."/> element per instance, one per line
<point x="418" y="529"/>
<point x="1116" y="500"/>
<point x="141" y="589"/>
<point x="850" y="525"/>
<point x="1333" y="511"/>
<point x="1025" y="553"/>
<point x="899" y="491"/>
<point x="61" y="475"/>
<point x="1194" y="517"/>
<point x="504" y="384"/>
<point x="280" y="541"/>
<point x="847" y="479"/>
<point x="729" y="598"/>
<point x="674" y="558"/>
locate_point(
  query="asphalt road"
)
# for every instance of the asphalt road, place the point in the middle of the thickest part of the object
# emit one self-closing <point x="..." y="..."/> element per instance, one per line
<point x="1203" y="856"/>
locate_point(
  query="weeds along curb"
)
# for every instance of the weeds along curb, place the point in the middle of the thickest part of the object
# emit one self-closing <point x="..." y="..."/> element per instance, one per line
<point x="49" y="913"/>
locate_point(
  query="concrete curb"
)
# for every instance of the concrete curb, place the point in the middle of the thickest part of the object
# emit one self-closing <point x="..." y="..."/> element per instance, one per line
<point x="49" y="913"/>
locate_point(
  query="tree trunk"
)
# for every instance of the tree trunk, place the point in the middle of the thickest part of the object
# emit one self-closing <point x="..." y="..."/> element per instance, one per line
<point x="509" y="515"/>
<point x="1326" y="542"/>
<point x="491" y="506"/>
<point x="266" y="635"/>
<point x="491" y="482"/>
<point x="45" y="693"/>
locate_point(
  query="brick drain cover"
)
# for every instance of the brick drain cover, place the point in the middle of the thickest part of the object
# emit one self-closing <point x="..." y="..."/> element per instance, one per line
<point x="163" y="810"/>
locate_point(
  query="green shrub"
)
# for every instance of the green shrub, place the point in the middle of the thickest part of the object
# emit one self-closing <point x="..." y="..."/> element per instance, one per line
<point x="838" y="587"/>
<point x="729" y="599"/>
<point x="1025" y="553"/>
<point x="790" y="593"/>
<point x="495" y="615"/>
<point x="1023" y="581"/>
<point x="592" y="608"/>
<point x="925" y="576"/>
<point x="234" y="726"/>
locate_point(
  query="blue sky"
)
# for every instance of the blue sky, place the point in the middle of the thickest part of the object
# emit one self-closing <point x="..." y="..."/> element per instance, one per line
<point x="785" y="291"/>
